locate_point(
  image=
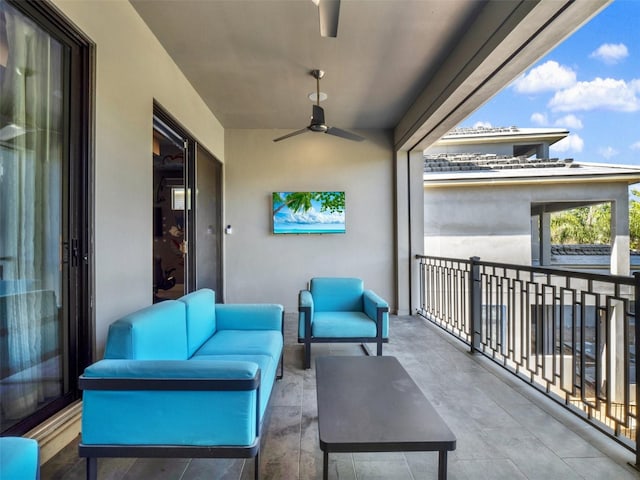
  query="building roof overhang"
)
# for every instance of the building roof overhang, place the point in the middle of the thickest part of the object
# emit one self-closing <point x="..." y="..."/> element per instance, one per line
<point x="576" y="173"/>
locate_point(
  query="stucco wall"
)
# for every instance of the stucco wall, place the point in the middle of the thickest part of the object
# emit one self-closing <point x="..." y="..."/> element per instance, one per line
<point x="131" y="70"/>
<point x="494" y="221"/>
<point x="262" y="267"/>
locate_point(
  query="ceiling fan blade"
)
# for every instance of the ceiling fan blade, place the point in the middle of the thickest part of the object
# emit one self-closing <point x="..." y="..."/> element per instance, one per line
<point x="329" y="11"/>
<point x="292" y="134"/>
<point x="338" y="132"/>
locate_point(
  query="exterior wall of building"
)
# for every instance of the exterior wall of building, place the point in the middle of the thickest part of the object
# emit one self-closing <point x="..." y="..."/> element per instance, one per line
<point x="263" y="267"/>
<point x="493" y="222"/>
<point x="131" y="70"/>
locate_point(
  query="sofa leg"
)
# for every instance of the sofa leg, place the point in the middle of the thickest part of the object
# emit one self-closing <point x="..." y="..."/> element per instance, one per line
<point x="307" y="356"/>
<point x="92" y="468"/>
<point x="379" y="349"/>
<point x="256" y="473"/>
<point x="280" y="376"/>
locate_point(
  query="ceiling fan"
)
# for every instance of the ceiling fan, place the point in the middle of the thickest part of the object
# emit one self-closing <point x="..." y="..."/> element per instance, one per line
<point x="328" y="11"/>
<point x="317" y="118"/>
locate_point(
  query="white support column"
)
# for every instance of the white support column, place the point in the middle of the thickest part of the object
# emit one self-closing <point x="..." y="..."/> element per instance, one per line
<point x="620" y="256"/>
<point x="416" y="227"/>
<point x="545" y="239"/>
<point x="409" y="197"/>
<point x="620" y="265"/>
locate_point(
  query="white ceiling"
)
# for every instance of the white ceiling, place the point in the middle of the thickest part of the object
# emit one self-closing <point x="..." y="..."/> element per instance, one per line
<point x="250" y="59"/>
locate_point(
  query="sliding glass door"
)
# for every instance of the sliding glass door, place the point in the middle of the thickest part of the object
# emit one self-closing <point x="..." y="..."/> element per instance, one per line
<point x="43" y="252"/>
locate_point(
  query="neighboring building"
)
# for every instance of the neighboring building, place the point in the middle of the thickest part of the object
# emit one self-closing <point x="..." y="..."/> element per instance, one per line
<point x="498" y="205"/>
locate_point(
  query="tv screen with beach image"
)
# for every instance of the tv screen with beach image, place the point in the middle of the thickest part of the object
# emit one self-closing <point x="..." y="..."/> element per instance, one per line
<point x="308" y="212"/>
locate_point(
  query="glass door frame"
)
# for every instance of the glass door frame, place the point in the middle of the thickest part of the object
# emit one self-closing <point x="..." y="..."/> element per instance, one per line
<point x="78" y="203"/>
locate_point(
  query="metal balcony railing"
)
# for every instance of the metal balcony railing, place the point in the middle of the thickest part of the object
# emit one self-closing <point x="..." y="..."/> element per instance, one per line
<point x="571" y="335"/>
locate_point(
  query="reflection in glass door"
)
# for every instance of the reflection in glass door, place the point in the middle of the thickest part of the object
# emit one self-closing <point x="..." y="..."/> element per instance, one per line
<point x="34" y="244"/>
<point x="171" y="207"/>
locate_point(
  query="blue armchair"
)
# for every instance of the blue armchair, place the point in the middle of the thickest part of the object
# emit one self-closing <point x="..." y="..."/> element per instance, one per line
<point x="338" y="310"/>
<point x="19" y="458"/>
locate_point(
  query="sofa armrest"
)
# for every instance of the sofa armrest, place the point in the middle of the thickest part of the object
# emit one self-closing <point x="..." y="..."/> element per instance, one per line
<point x="249" y="317"/>
<point x="170" y="375"/>
<point x="145" y="402"/>
<point x="378" y="310"/>
<point x="305" y="313"/>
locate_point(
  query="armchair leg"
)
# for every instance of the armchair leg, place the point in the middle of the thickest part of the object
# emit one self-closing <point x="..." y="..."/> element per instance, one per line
<point x="379" y="349"/>
<point x="92" y="468"/>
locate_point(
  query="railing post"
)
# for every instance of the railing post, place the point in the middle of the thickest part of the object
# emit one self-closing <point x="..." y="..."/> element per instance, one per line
<point x="636" y="313"/>
<point x="475" y="302"/>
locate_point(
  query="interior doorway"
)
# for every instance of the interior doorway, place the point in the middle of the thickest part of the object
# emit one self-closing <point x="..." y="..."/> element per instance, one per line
<point x="187" y="213"/>
<point x="171" y="206"/>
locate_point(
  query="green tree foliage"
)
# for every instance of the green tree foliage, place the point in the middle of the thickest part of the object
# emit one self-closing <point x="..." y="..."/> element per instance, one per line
<point x="582" y="225"/>
<point x="634" y="220"/>
<point x="301" y="201"/>
<point x="592" y="225"/>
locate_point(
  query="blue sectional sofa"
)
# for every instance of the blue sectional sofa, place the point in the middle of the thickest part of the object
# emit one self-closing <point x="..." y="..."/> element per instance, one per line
<point x="339" y="309"/>
<point x="183" y="378"/>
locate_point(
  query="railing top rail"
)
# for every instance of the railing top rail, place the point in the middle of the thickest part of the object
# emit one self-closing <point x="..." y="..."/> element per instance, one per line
<point x="445" y="259"/>
<point x="620" y="279"/>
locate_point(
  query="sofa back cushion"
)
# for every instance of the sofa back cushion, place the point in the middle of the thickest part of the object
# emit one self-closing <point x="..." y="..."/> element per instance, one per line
<point x="201" y="317"/>
<point x="331" y="294"/>
<point x="157" y="332"/>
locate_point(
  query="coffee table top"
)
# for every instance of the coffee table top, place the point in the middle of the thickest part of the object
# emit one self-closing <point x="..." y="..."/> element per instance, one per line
<point x="370" y="404"/>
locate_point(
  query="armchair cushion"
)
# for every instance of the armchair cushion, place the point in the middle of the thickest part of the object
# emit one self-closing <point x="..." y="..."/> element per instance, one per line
<point x="337" y="294"/>
<point x="19" y="458"/>
<point x="347" y="324"/>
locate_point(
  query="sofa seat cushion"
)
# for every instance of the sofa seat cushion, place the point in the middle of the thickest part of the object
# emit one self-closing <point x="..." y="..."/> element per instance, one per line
<point x="268" y="368"/>
<point x="342" y="325"/>
<point x="244" y="342"/>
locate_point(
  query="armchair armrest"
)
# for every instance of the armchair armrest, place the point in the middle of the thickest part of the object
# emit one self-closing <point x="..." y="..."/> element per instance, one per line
<point x="305" y="313"/>
<point x="249" y="317"/>
<point x="378" y="310"/>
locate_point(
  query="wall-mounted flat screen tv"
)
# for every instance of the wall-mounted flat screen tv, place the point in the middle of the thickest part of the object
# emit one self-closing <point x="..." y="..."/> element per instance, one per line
<point x="308" y="212"/>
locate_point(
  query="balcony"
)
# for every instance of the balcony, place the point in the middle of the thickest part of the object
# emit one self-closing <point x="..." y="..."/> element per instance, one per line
<point x="505" y="428"/>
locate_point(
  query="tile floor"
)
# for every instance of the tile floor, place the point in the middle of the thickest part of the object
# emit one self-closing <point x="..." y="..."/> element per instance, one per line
<point x="505" y="429"/>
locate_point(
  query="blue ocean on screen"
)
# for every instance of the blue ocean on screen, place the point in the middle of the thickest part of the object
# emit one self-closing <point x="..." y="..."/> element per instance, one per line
<point x="314" y="217"/>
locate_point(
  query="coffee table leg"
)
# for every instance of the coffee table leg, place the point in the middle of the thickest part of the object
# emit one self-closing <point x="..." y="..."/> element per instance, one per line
<point x="442" y="465"/>
<point x="325" y="465"/>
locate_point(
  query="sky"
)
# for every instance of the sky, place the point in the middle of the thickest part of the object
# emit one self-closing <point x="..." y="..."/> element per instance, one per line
<point x="589" y="84"/>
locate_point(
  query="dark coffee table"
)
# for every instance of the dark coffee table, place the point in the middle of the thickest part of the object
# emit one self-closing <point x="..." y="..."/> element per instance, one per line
<point x="371" y="404"/>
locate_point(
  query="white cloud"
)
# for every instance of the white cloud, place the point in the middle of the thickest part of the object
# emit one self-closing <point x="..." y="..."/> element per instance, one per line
<point x="482" y="125"/>
<point x="570" y="143"/>
<point x="550" y="76"/>
<point x="610" y="53"/>
<point x="569" y="121"/>
<point x="608" y="152"/>
<point x="635" y="146"/>
<point x="539" y="119"/>
<point x="605" y="94"/>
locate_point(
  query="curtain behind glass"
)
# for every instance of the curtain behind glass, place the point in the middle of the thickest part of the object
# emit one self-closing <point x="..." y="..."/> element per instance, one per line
<point x="31" y="148"/>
